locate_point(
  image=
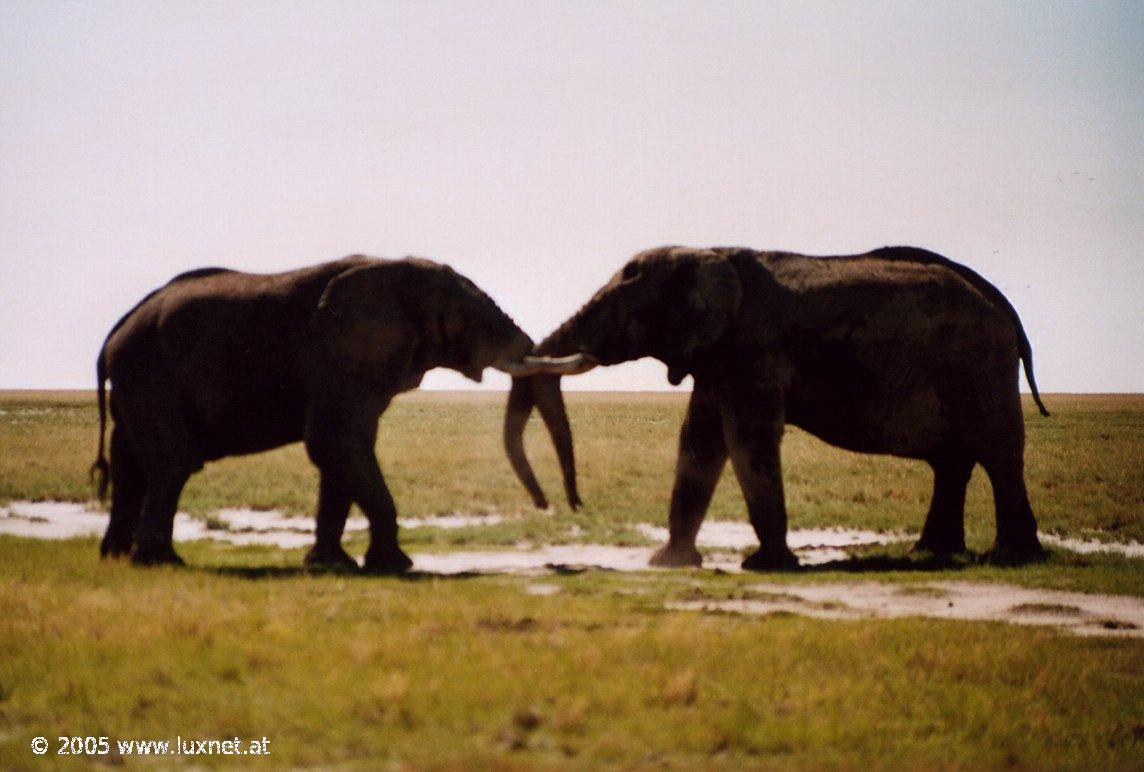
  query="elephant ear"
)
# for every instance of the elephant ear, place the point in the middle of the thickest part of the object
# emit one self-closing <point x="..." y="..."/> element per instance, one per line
<point x="440" y="302"/>
<point x="712" y="302"/>
<point x="362" y="326"/>
<point x="443" y="320"/>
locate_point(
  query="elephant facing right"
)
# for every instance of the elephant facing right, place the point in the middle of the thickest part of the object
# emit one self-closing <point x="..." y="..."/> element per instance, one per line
<point x="898" y="351"/>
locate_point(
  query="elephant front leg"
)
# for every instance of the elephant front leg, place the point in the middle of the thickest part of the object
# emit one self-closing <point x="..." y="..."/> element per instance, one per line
<point x="753" y="428"/>
<point x="384" y="556"/>
<point x="702" y="456"/>
<point x="341" y="447"/>
<point x="334" y="502"/>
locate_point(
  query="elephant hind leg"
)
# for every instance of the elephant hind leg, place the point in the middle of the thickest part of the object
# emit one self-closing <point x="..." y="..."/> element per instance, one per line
<point x="998" y="442"/>
<point x="154" y="537"/>
<point x="164" y="448"/>
<point x="944" y="529"/>
<point x="1017" y="540"/>
<point x="128" y="488"/>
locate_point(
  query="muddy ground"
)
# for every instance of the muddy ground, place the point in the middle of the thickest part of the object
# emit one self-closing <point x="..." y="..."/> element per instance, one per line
<point x="723" y="543"/>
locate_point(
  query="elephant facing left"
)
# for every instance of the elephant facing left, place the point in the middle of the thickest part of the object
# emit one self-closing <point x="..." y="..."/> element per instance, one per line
<point x="219" y="362"/>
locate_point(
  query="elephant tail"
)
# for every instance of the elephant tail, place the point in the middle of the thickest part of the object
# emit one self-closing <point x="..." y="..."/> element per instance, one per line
<point x="100" y="470"/>
<point x="998" y="298"/>
<point x="1023" y="346"/>
<point x="1027" y="359"/>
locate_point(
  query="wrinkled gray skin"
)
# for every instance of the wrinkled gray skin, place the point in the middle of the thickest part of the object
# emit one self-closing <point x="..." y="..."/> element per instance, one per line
<point x="899" y="351"/>
<point x="219" y="363"/>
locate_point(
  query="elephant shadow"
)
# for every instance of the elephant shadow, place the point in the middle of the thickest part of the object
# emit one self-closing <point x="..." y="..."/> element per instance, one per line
<point x="874" y="562"/>
<point x="257" y="573"/>
<point x="887" y="562"/>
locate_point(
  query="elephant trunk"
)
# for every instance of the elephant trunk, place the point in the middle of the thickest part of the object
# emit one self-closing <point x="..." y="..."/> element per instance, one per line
<point x="564" y="340"/>
<point x="550" y="401"/>
<point x="517" y="413"/>
<point x="542" y="391"/>
<point x="541" y="388"/>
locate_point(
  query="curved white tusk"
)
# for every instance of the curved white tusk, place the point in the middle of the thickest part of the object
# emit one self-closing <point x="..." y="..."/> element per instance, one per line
<point x="515" y="369"/>
<point x="569" y="365"/>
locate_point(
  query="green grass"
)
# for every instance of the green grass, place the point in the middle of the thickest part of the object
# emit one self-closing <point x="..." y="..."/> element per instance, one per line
<point x="475" y="671"/>
<point x="441" y="453"/>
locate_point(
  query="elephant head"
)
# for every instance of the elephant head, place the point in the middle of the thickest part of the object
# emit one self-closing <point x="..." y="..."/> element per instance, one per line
<point x="668" y="303"/>
<point x="401" y="318"/>
<point x="398" y="319"/>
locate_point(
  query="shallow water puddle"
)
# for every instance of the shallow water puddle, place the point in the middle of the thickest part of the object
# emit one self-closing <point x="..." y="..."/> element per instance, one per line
<point x="50" y="520"/>
<point x="728" y="534"/>
<point x="265" y="520"/>
<point x="62" y="520"/>
<point x="1131" y="549"/>
<point x="271" y="520"/>
<point x="1076" y="612"/>
<point x="1080" y="613"/>
<point x="740" y="535"/>
<point x="547" y="559"/>
<point x="66" y="520"/>
<point x="813" y="548"/>
<point x="447" y="521"/>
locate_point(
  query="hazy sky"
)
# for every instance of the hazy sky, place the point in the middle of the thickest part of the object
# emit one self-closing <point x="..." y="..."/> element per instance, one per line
<point x="535" y="146"/>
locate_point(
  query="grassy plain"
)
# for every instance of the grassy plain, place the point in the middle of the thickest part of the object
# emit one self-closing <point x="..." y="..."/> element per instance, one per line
<point x="478" y="671"/>
<point x="441" y="452"/>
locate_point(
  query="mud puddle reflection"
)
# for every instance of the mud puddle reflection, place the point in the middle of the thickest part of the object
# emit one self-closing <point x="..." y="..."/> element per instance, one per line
<point x="1080" y="613"/>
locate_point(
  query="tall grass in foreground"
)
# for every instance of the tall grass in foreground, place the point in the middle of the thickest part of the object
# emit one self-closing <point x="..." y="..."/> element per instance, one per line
<point x="448" y="672"/>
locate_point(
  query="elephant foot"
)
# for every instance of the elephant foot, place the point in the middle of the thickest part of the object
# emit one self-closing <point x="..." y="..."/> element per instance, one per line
<point x="939" y="546"/>
<point x="771" y="560"/>
<point x="1017" y="554"/>
<point x="156" y="555"/>
<point x="676" y="555"/>
<point x="115" y="548"/>
<point x="329" y="559"/>
<point x="387" y="562"/>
